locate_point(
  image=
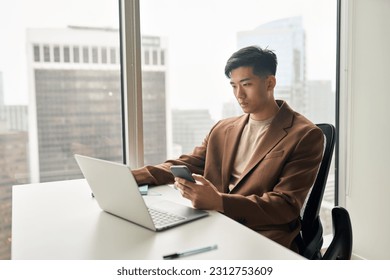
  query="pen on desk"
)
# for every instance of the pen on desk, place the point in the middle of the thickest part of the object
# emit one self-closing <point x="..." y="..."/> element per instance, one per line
<point x="190" y="252"/>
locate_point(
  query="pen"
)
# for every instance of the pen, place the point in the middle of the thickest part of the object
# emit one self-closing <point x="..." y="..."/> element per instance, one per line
<point x="190" y="252"/>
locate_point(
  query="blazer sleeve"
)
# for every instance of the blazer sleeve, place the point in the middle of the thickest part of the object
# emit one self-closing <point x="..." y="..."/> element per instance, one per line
<point x="160" y="174"/>
<point x="282" y="203"/>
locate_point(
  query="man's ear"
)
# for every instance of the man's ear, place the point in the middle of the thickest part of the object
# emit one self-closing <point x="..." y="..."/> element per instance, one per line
<point x="271" y="82"/>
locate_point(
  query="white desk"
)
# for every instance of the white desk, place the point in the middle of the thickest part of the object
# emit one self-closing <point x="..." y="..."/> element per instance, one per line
<point x="60" y="220"/>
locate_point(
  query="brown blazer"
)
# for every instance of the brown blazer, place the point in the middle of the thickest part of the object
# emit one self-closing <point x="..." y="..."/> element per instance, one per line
<point x="271" y="191"/>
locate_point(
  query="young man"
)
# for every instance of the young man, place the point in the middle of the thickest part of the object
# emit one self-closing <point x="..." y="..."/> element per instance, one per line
<point x="256" y="168"/>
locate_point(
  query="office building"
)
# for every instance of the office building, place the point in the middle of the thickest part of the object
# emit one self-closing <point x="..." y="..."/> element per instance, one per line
<point x="231" y="109"/>
<point x="15" y="117"/>
<point x="13" y="163"/>
<point x="75" y="100"/>
<point x="190" y="127"/>
<point x="12" y="117"/>
<point x="13" y="171"/>
<point x="154" y="99"/>
<point x="320" y="98"/>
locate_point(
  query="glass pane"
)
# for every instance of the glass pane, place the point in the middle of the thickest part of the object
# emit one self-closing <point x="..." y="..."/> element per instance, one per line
<point x="58" y="94"/>
<point x="186" y="91"/>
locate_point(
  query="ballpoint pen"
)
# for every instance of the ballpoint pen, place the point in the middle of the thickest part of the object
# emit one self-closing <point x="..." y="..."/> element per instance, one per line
<point x="190" y="252"/>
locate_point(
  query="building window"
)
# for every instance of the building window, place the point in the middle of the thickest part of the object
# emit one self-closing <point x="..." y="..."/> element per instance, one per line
<point x="104" y="55"/>
<point x="37" y="56"/>
<point x="46" y="53"/>
<point x="95" y="58"/>
<point x="162" y="57"/>
<point x="66" y="54"/>
<point x="56" y="54"/>
<point x="85" y="54"/>
<point x="155" y="58"/>
<point x="76" y="54"/>
<point x="112" y="55"/>
<point x="146" y="57"/>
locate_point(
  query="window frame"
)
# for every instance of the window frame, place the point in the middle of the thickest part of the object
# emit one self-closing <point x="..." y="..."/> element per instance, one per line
<point x="131" y="83"/>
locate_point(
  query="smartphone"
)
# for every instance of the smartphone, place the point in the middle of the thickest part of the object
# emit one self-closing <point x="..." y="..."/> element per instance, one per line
<point x="182" y="171"/>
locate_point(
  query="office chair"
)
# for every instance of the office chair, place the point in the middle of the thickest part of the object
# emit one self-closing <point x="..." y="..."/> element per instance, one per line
<point x="340" y="247"/>
<point x="310" y="239"/>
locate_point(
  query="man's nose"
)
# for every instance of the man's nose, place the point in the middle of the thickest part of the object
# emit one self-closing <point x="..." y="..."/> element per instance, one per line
<point x="240" y="93"/>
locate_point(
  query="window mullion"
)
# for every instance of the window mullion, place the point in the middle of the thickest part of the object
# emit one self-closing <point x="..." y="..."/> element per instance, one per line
<point x="132" y="83"/>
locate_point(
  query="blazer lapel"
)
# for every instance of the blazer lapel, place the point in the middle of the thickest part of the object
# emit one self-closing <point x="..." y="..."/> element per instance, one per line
<point x="276" y="132"/>
<point x="232" y="139"/>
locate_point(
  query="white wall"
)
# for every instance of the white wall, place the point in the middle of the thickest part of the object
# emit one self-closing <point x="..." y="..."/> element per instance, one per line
<point x="365" y="124"/>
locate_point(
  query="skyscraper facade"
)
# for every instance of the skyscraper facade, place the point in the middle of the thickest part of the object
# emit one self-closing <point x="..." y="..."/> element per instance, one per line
<point x="75" y="100"/>
<point x="190" y="127"/>
<point x="154" y="103"/>
<point x="13" y="163"/>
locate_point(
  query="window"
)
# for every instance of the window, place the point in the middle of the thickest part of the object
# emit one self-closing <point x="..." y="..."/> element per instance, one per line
<point x="190" y="81"/>
<point x="104" y="55"/>
<point x="66" y="54"/>
<point x="85" y="54"/>
<point x="76" y="54"/>
<point x="46" y="53"/>
<point x="162" y="57"/>
<point x="146" y="57"/>
<point x="56" y="53"/>
<point x="155" y="59"/>
<point x="37" y="56"/>
<point x="95" y="55"/>
<point x="70" y="100"/>
<point x="113" y="56"/>
<point x="77" y="100"/>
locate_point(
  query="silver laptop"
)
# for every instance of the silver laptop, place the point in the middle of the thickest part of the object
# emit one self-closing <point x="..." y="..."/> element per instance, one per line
<point x="116" y="191"/>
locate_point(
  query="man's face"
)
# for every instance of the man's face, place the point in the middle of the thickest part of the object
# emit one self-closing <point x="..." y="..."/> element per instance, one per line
<point x="253" y="93"/>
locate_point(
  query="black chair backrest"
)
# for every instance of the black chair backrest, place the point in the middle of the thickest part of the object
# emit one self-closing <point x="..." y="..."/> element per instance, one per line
<point x="341" y="246"/>
<point x="313" y="205"/>
<point x="310" y="240"/>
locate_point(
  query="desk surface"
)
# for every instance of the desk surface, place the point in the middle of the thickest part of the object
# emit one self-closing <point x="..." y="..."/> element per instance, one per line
<point x="60" y="220"/>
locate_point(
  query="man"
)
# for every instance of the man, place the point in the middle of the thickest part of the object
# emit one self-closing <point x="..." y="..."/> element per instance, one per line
<point x="256" y="168"/>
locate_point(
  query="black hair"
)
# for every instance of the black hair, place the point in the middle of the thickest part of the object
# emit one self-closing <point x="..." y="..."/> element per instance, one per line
<point x="263" y="61"/>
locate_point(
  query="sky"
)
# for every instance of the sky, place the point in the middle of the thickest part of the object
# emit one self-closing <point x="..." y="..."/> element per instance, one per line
<point x="204" y="30"/>
<point x="18" y="15"/>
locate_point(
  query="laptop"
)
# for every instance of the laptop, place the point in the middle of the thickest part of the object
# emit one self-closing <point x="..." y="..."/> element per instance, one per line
<point x="116" y="191"/>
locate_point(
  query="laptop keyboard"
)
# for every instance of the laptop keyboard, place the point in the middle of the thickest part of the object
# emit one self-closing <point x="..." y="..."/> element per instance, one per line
<point x="161" y="218"/>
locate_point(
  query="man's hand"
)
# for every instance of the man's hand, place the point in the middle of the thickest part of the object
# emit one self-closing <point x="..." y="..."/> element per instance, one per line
<point x="203" y="194"/>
